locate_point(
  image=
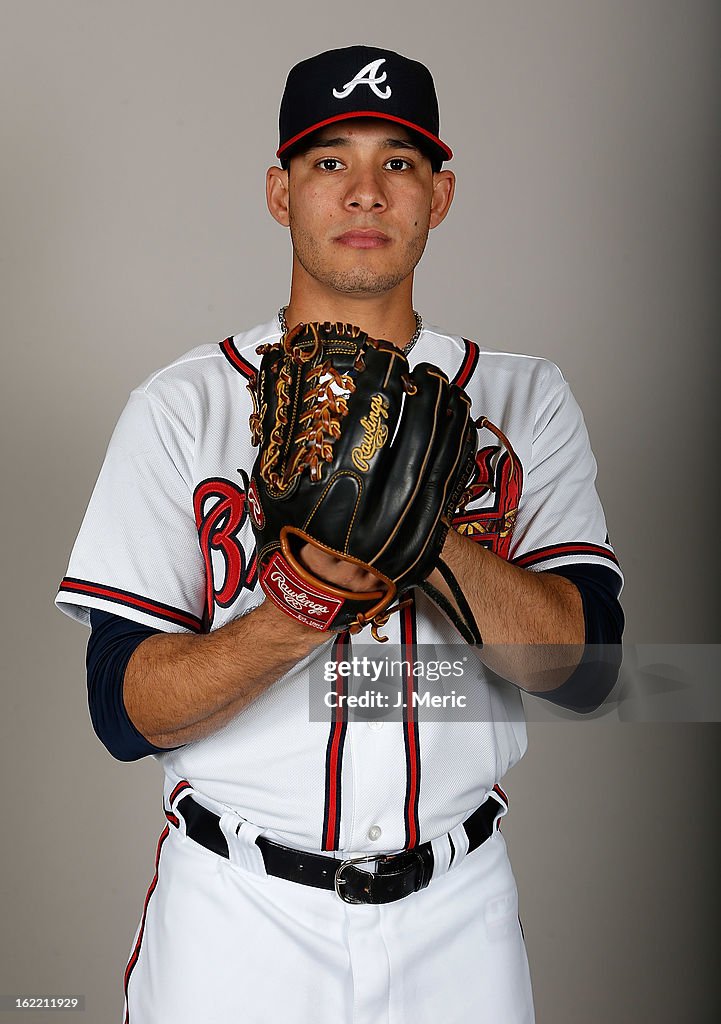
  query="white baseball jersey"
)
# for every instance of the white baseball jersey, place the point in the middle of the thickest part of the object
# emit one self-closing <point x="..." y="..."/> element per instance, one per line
<point x="167" y="541"/>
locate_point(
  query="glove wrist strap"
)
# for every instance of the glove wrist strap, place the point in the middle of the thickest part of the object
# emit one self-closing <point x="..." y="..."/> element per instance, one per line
<point x="465" y="623"/>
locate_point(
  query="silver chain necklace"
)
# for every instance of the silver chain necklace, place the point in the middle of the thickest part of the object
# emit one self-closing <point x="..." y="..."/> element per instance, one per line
<point x="406" y="349"/>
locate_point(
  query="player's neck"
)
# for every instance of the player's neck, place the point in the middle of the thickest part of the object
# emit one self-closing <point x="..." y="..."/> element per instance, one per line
<point x="388" y="316"/>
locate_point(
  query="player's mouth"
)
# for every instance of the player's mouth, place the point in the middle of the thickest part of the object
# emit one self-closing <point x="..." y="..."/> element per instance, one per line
<point x="363" y="238"/>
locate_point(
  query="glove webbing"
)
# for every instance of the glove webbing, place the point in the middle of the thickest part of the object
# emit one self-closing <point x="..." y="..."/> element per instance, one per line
<point x="465" y="623"/>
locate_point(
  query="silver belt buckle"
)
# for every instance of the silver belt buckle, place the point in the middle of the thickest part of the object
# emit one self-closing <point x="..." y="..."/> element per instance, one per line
<point x="352" y="862"/>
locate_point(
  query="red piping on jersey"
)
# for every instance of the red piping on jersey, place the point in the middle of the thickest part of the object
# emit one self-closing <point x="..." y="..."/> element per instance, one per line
<point x="334" y="758"/>
<point x="497" y="789"/>
<point x="180" y="788"/>
<point x="335" y="755"/>
<point x="183" y="784"/>
<point x="410" y="729"/>
<point x="504" y="798"/>
<point x="236" y="360"/>
<point x="136" y="952"/>
<point x="469" y="364"/>
<point x="125" y="597"/>
<point x="559" y="550"/>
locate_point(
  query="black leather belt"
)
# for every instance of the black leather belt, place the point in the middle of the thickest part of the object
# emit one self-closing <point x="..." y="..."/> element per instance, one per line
<point x="396" y="875"/>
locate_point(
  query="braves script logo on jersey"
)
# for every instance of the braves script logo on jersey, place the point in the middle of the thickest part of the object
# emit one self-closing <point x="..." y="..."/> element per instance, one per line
<point x="497" y="474"/>
<point x="367" y="76"/>
<point x="221" y="509"/>
<point x="256" y="509"/>
<point x="297" y="596"/>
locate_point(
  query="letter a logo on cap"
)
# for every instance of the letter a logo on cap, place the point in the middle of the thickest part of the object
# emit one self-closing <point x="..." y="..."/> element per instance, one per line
<point x="367" y="76"/>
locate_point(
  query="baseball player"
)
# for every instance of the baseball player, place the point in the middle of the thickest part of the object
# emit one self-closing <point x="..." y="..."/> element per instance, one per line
<point x="335" y="871"/>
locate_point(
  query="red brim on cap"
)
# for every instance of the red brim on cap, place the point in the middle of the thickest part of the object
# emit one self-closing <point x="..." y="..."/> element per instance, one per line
<point x="368" y="113"/>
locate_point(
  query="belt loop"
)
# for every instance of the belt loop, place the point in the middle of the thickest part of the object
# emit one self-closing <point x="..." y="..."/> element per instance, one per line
<point x="174" y="794"/>
<point x="458" y="845"/>
<point x="242" y="849"/>
<point x="441" y="855"/>
<point x="498" y="795"/>
<point x="176" y="820"/>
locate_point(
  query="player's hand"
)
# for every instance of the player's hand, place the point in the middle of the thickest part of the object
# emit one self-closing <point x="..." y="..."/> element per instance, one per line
<point x="337" y="571"/>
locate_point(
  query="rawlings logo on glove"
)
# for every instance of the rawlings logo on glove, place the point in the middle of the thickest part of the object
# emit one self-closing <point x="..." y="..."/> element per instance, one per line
<point x="376" y="434"/>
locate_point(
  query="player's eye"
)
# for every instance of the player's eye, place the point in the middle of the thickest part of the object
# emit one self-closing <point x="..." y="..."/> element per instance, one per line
<point x="397" y="163"/>
<point x="329" y="163"/>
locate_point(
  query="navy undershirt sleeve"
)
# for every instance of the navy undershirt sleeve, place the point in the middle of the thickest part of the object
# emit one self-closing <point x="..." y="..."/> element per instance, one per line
<point x="112" y="641"/>
<point x="595" y="676"/>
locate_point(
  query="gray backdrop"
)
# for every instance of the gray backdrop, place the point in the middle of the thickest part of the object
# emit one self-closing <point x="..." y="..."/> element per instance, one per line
<point x="585" y="229"/>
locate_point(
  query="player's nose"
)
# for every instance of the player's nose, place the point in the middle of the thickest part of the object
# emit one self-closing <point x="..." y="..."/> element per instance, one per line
<point x="365" y="190"/>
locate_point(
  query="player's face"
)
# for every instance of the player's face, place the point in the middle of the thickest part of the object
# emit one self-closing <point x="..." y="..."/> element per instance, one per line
<point x="360" y="203"/>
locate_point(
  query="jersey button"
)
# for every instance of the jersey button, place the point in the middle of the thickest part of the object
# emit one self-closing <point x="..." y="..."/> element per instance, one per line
<point x="375" y="832"/>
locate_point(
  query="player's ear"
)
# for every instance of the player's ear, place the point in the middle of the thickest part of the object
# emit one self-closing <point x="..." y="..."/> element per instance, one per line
<point x="444" y="187"/>
<point x="276" y="194"/>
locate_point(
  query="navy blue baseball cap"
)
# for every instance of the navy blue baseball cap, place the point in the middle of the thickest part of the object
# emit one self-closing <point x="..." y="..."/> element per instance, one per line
<point x="360" y="81"/>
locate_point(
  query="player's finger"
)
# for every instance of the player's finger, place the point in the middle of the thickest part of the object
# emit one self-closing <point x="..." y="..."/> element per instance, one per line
<point x="338" y="571"/>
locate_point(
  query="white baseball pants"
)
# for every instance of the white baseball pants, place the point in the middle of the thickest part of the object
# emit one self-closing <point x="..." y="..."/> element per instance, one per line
<point x="222" y="942"/>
